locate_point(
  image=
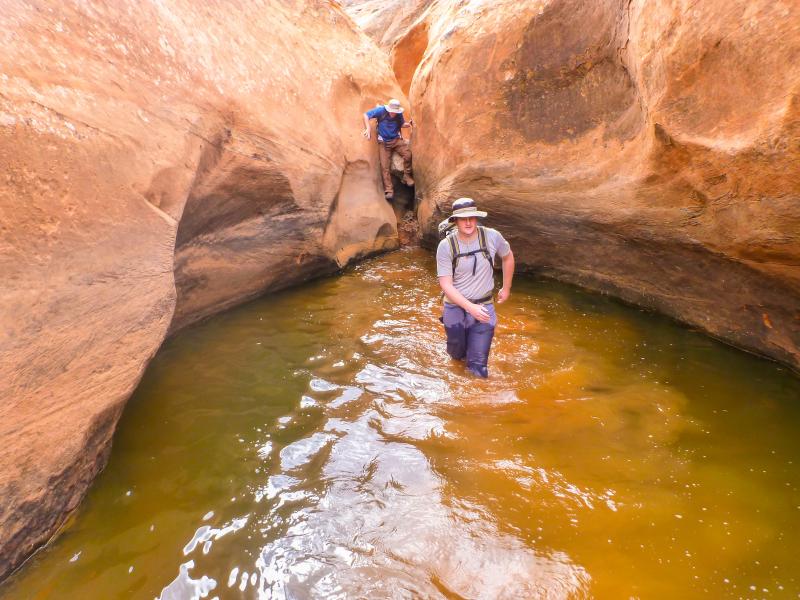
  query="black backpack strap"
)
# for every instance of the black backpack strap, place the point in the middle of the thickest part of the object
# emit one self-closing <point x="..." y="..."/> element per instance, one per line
<point x="483" y="249"/>
<point x="484" y="244"/>
<point x="453" y="251"/>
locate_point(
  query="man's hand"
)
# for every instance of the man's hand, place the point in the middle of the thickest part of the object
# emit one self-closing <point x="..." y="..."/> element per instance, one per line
<point x="479" y="312"/>
<point x="503" y="295"/>
<point x="366" y="133"/>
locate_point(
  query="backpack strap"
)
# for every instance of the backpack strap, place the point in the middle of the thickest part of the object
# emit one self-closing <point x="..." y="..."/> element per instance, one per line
<point x="482" y="241"/>
<point x="483" y="249"/>
<point x="453" y="250"/>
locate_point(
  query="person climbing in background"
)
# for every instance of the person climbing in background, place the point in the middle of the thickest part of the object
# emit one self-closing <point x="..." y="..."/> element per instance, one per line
<point x="390" y="120"/>
<point x="465" y="267"/>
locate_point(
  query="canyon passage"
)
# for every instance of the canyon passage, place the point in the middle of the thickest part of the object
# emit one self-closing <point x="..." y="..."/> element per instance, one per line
<point x="164" y="162"/>
<point x="319" y="443"/>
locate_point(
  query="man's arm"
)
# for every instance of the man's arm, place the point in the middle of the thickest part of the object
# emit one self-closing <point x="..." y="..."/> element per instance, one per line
<point x="508" y="276"/>
<point x="365" y="133"/>
<point x="408" y="125"/>
<point x="476" y="310"/>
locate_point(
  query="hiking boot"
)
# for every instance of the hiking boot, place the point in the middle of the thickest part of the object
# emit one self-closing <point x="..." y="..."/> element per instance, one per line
<point x="408" y="181"/>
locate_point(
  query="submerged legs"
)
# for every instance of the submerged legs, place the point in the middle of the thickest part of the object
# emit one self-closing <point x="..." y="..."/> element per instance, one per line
<point x="468" y="339"/>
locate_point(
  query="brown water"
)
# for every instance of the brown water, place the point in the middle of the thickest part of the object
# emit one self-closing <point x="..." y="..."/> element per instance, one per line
<point x="320" y="444"/>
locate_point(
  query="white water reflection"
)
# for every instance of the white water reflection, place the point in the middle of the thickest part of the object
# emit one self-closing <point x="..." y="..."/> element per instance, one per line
<point x="299" y="453"/>
<point x="183" y="587"/>
<point x="398" y="383"/>
<point x="348" y="394"/>
<point x="206" y="534"/>
<point x="383" y="530"/>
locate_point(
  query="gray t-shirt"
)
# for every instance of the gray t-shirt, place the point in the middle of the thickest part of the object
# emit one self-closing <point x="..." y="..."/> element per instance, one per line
<point x="482" y="283"/>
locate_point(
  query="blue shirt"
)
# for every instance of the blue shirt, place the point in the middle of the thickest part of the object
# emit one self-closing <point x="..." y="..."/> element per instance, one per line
<point x="388" y="127"/>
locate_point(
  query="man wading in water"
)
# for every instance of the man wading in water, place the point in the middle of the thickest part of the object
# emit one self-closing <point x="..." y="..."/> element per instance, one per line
<point x="465" y="266"/>
<point x="390" y="121"/>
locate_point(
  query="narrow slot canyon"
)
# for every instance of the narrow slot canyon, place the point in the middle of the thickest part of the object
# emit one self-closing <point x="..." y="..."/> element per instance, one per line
<point x="205" y="288"/>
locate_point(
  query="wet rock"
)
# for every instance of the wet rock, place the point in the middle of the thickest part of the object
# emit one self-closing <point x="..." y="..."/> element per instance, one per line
<point x="159" y="165"/>
<point x="403" y="194"/>
<point x="408" y="229"/>
<point x="644" y="149"/>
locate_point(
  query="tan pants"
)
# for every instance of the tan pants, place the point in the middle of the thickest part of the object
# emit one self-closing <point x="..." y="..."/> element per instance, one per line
<point x="385" y="150"/>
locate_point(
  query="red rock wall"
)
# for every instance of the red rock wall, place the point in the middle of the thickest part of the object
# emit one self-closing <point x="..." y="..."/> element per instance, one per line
<point x="160" y="162"/>
<point x="648" y="149"/>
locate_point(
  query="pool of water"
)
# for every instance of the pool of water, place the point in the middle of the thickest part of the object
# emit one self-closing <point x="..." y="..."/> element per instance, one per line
<point x="319" y="443"/>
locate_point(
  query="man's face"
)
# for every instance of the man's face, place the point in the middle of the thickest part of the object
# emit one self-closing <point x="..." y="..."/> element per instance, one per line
<point x="392" y="115"/>
<point x="466" y="225"/>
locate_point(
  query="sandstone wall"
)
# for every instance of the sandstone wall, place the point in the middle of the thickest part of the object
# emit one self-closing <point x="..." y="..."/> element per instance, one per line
<point x="161" y="161"/>
<point x="648" y="149"/>
<point x="385" y="21"/>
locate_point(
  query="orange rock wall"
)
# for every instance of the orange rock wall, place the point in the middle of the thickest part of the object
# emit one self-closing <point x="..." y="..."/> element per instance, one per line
<point x="161" y="161"/>
<point x="648" y="149"/>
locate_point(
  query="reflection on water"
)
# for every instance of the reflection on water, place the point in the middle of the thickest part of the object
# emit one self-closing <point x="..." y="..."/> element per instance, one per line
<point x="320" y="444"/>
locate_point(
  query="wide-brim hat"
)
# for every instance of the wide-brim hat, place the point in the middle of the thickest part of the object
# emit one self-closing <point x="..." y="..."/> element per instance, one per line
<point x="393" y="106"/>
<point x="465" y="207"/>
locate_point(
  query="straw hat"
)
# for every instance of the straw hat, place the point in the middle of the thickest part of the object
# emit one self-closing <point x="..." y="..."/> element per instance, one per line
<point x="393" y="106"/>
<point x="465" y="207"/>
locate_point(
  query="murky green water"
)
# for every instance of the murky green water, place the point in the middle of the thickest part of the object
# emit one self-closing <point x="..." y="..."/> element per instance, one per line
<point x="320" y="444"/>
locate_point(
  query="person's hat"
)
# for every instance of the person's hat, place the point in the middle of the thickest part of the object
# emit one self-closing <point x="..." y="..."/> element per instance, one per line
<point x="465" y="207"/>
<point x="393" y="106"/>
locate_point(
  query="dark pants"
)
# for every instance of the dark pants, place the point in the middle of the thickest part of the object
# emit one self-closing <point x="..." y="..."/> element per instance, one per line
<point x="468" y="338"/>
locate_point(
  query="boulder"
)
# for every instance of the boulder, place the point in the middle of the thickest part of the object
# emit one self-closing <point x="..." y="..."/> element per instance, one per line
<point x="162" y="161"/>
<point x="644" y="149"/>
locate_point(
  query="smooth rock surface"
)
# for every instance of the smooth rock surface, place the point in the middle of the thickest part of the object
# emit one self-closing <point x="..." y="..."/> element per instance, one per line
<point x="386" y="21"/>
<point x="645" y="149"/>
<point x="161" y="162"/>
<point x="398" y="26"/>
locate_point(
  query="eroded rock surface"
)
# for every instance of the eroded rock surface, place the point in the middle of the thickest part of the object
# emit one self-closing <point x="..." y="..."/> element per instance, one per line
<point x="646" y="149"/>
<point x="161" y="162"/>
